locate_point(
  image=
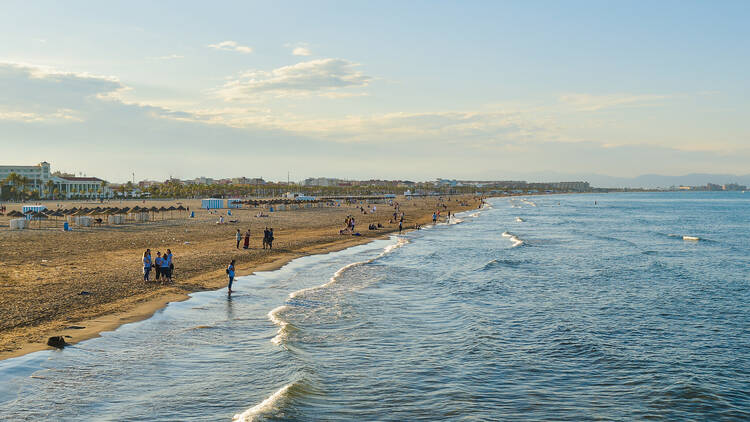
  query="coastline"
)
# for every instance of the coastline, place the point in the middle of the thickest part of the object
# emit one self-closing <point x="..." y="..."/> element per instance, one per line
<point x="146" y="308"/>
<point x="132" y="309"/>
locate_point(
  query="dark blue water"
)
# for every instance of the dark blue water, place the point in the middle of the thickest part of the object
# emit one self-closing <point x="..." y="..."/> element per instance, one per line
<point x="544" y="308"/>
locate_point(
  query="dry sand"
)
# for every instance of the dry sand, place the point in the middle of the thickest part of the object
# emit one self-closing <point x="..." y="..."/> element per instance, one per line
<point x="44" y="270"/>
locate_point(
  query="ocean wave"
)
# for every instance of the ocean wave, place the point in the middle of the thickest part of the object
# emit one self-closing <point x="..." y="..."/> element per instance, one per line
<point x="284" y="326"/>
<point x="272" y="404"/>
<point x="454" y="220"/>
<point x="388" y="249"/>
<point x="689" y="237"/>
<point x="515" y="239"/>
<point x="495" y="263"/>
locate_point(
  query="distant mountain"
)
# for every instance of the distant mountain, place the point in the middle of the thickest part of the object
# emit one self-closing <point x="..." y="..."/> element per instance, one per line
<point x="647" y="181"/>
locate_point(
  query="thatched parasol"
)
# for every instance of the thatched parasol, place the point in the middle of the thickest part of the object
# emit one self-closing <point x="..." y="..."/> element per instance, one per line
<point x="154" y="210"/>
<point x="15" y="213"/>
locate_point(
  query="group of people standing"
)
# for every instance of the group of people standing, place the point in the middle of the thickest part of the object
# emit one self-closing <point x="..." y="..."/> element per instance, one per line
<point x="162" y="264"/>
<point x="267" y="238"/>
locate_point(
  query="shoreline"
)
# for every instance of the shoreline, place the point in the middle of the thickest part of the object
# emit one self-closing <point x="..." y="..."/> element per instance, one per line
<point x="146" y="308"/>
<point x="142" y="307"/>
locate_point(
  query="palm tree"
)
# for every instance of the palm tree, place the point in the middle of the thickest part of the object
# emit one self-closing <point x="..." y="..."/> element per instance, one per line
<point x="103" y="186"/>
<point x="50" y="186"/>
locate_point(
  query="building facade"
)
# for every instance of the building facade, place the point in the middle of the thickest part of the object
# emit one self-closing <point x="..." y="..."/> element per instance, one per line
<point x="39" y="178"/>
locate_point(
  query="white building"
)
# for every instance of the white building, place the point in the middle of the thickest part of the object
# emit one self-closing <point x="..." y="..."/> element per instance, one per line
<point x="40" y="179"/>
<point x="321" y="181"/>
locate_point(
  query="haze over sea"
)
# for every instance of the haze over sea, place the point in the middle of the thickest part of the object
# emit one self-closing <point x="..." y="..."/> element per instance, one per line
<point x="536" y="308"/>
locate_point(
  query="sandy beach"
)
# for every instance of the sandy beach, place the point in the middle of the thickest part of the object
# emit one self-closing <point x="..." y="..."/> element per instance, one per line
<point x="80" y="283"/>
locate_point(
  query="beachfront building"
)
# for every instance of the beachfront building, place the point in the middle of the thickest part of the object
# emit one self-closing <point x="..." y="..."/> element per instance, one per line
<point x="322" y="181"/>
<point x="39" y="179"/>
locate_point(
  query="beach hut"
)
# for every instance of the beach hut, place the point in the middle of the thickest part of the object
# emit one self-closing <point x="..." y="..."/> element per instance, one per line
<point x="212" y="203"/>
<point x="234" y="203"/>
<point x="29" y="209"/>
<point x="18" y="224"/>
<point x="116" y="219"/>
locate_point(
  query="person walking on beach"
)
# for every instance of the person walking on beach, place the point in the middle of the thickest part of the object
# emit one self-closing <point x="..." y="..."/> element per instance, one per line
<point x="400" y="226"/>
<point x="157" y="265"/>
<point x="230" y="274"/>
<point x="146" y="265"/>
<point x="434" y="217"/>
<point x="238" y="236"/>
<point x="270" y="238"/>
<point x="247" y="240"/>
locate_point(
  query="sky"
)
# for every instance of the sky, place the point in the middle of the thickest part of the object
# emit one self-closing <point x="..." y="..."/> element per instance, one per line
<point x="392" y="90"/>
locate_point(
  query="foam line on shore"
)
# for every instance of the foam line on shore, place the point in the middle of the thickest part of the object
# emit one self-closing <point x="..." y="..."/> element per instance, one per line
<point x="275" y="315"/>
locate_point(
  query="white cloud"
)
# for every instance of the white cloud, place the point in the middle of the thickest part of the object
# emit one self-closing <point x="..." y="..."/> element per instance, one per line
<point x="36" y="94"/>
<point x="588" y="102"/>
<point x="301" y="51"/>
<point x="312" y="77"/>
<point x="231" y="46"/>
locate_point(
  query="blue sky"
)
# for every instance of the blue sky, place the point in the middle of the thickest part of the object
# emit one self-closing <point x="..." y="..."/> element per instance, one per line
<point x="417" y="90"/>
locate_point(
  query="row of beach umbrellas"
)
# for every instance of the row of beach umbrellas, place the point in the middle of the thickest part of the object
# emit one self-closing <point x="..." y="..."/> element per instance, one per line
<point x="44" y="214"/>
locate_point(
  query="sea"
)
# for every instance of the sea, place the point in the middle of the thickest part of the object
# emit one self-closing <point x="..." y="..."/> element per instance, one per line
<point x="620" y="306"/>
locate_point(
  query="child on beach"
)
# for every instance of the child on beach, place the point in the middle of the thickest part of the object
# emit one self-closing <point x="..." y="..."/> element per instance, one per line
<point x="146" y="265"/>
<point x="230" y="274"/>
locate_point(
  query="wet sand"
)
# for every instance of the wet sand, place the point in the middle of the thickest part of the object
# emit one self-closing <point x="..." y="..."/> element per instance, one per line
<point x="43" y="271"/>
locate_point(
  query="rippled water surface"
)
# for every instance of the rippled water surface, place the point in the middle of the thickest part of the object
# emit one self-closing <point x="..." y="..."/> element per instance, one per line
<point x="543" y="308"/>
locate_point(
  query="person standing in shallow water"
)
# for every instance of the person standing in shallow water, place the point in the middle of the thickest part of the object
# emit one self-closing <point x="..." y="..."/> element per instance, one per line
<point x="230" y="274"/>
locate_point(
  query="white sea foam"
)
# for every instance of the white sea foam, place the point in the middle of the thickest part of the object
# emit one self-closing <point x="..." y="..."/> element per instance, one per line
<point x="264" y="407"/>
<point x="513" y="238"/>
<point x="390" y="248"/>
<point x="285" y="327"/>
<point x="474" y="215"/>
<point x="276" y="319"/>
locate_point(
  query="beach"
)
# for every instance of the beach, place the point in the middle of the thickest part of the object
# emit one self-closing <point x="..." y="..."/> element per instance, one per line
<point x="80" y="283"/>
